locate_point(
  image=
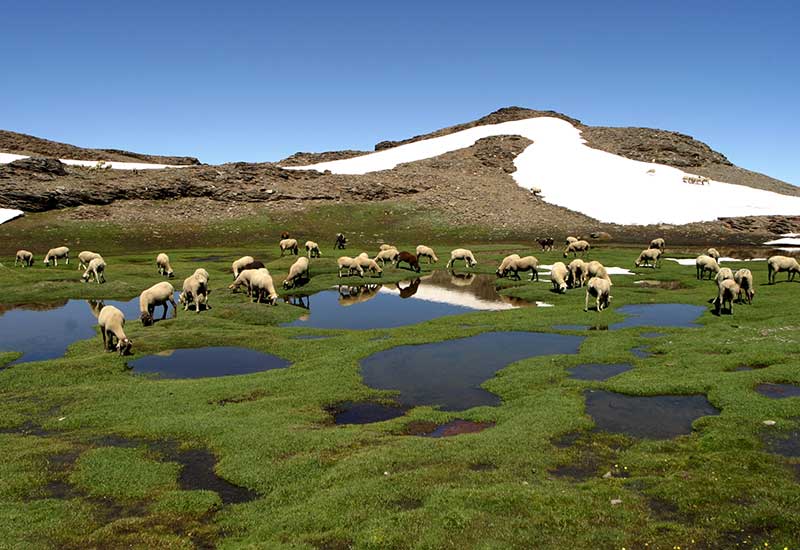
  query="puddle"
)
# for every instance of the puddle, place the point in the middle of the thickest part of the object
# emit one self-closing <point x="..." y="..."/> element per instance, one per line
<point x="666" y="285"/>
<point x="778" y="391"/>
<point x="641" y="352"/>
<point x="449" y="374"/>
<point x="212" y="258"/>
<point x="656" y="417"/>
<point x="207" y="362"/>
<point x="365" y="412"/>
<point x="784" y="443"/>
<point x="754" y="366"/>
<point x="392" y="305"/>
<point x="659" y="315"/>
<point x="598" y="371"/>
<point x="454" y="427"/>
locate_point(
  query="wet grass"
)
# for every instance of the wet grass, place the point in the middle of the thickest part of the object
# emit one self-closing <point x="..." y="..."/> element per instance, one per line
<point x="321" y="485"/>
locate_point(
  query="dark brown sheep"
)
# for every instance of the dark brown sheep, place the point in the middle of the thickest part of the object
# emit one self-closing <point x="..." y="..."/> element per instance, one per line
<point x="409" y="258"/>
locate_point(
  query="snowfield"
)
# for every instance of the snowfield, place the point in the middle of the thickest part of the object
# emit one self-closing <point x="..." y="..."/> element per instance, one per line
<point x="602" y="185"/>
<point x="785" y="241"/>
<point x="8" y="214"/>
<point x="6" y="158"/>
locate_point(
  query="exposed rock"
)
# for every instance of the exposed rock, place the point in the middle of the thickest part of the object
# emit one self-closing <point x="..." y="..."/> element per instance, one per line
<point x="41" y="165"/>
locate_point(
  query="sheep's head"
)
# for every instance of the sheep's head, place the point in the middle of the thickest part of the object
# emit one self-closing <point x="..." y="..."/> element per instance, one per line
<point x="85" y="277"/>
<point x="272" y="300"/>
<point x="287" y="283"/>
<point x="124" y="346"/>
<point x="147" y="319"/>
<point x="170" y="274"/>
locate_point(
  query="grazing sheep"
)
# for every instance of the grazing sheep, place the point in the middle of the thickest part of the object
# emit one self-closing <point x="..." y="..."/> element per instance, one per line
<point x="600" y="288"/>
<point x="252" y="265"/>
<point x="526" y="263"/>
<point x="596" y="269"/>
<point x="195" y="290"/>
<point x="462" y="254"/>
<point x="426" y="252"/>
<point x="201" y="274"/>
<point x="409" y="258"/>
<point x="658" y="244"/>
<point x="744" y="278"/>
<point x="290" y="245"/>
<point x="728" y="291"/>
<point x="85" y="257"/>
<point x="244" y="279"/>
<point x="112" y="321"/>
<point x="298" y="271"/>
<point x="262" y="287"/>
<point x="341" y="242"/>
<point x="368" y="264"/>
<point x="558" y="276"/>
<point x="237" y="266"/>
<point x="25" y="257"/>
<point x="389" y="255"/>
<point x="160" y="294"/>
<point x="723" y="274"/>
<point x="351" y="264"/>
<point x="312" y="249"/>
<point x="705" y="263"/>
<point x="55" y="254"/>
<point x="576" y="247"/>
<point x="577" y="273"/>
<point x="776" y="264"/>
<point x="96" y="267"/>
<point x="570" y="240"/>
<point x="503" y="267"/>
<point x="162" y="264"/>
<point x="546" y="243"/>
<point x="387" y="247"/>
<point x="712" y="252"/>
<point x="649" y="257"/>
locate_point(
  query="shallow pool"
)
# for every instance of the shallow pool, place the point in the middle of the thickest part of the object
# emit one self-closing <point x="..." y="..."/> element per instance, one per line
<point x="206" y="362"/>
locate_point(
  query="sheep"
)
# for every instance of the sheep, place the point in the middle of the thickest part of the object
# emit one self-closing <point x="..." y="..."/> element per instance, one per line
<point x="577" y="246"/>
<point x="723" y="274"/>
<point x="96" y="267"/>
<point x="728" y="290"/>
<point x="546" y="243"/>
<point x="426" y="252"/>
<point x="776" y="264"/>
<point x="558" y="276"/>
<point x="195" y="289"/>
<point x="162" y="264"/>
<point x="712" y="252"/>
<point x="462" y="254"/>
<point x="368" y="264"/>
<point x="285" y="235"/>
<point x="85" y="257"/>
<point x="576" y="276"/>
<point x="351" y="295"/>
<point x="596" y="269"/>
<point x="256" y="264"/>
<point x="244" y="279"/>
<point x="237" y="266"/>
<point x="658" y="244"/>
<point x="501" y="269"/>
<point x="387" y="255"/>
<point x="409" y="258"/>
<point x="649" y="257"/>
<point x="298" y="271"/>
<point x="290" y="245"/>
<point x="24" y="257"/>
<point x="526" y="263"/>
<point x="351" y="264"/>
<point x="160" y="294"/>
<point x="55" y="254"/>
<point x="705" y="263"/>
<point x="570" y="240"/>
<point x="112" y="321"/>
<point x="600" y="288"/>
<point x="744" y="278"/>
<point x="341" y="242"/>
<point x="262" y="287"/>
<point x="201" y="274"/>
<point x="312" y="249"/>
<point x="387" y="247"/>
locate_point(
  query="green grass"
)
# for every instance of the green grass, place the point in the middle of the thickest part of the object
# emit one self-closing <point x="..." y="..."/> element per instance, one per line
<point x="369" y="486"/>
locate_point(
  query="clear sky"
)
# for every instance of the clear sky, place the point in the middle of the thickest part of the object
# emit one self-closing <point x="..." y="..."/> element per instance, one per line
<point x="259" y="80"/>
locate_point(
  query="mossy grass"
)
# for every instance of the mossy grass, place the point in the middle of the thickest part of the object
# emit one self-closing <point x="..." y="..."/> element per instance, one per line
<point x="371" y="486"/>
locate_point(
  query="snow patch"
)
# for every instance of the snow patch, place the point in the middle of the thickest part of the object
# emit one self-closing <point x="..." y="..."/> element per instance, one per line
<point x="6" y="158"/>
<point x="785" y="241"/>
<point x="8" y="214"/>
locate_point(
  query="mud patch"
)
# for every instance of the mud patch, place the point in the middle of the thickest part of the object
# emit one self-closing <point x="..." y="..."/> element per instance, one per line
<point x="212" y="258"/>
<point x="751" y="366"/>
<point x="207" y="362"/>
<point x="665" y="285"/>
<point x="364" y="412"/>
<point x="454" y="427"/>
<point x="778" y="391"/>
<point x="482" y="467"/>
<point x="598" y="371"/>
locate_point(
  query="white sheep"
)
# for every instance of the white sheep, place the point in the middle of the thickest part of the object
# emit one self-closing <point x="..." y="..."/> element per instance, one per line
<point x="723" y="274"/>
<point x="744" y="278"/>
<point x="600" y="288"/>
<point x="558" y="276"/>
<point x="501" y="269"/>
<point x="201" y="274"/>
<point x="160" y="294"/>
<point x="351" y="264"/>
<point x="776" y="264"/>
<point x="570" y="240"/>
<point x="368" y="264"/>
<point x="596" y="269"/>
<point x="649" y="257"/>
<point x="426" y="252"/>
<point x="577" y="273"/>
<point x="263" y="287"/>
<point x="96" y="267"/>
<point x="728" y="291"/>
<point x="312" y="249"/>
<point x="25" y="257"/>
<point x="658" y="244"/>
<point x="56" y="254"/>
<point x="705" y="263"/>
<point x="112" y="321"/>
<point x="387" y="247"/>
<point x="298" y="271"/>
<point x="162" y="264"/>
<point x="288" y="244"/>
<point x="576" y="247"/>
<point x="237" y="265"/>
<point x="712" y="252"/>
<point x="85" y="257"/>
<point x="388" y="255"/>
<point x="195" y="290"/>
<point x="462" y="254"/>
<point x="526" y="263"/>
<point x="244" y="279"/>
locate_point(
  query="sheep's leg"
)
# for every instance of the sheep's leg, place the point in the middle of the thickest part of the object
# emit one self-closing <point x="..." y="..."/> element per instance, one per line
<point x="174" y="307"/>
<point x="103" y="333"/>
<point x="585" y="303"/>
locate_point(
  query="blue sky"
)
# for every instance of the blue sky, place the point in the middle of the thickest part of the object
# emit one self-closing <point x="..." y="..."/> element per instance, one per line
<point x="258" y="81"/>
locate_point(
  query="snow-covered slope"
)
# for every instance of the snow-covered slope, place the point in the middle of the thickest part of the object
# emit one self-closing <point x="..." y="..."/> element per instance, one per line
<point x="602" y="185"/>
<point x="6" y="158"/>
<point x="8" y="214"/>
